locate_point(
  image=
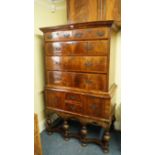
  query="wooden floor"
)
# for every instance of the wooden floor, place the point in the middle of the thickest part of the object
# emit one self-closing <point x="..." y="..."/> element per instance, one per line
<point x="37" y="143"/>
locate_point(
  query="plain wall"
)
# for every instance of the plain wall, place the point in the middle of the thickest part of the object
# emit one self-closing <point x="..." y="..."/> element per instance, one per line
<point x="43" y="17"/>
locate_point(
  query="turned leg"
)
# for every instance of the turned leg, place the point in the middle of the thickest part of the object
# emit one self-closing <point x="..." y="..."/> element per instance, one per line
<point x="106" y="139"/>
<point x="66" y="130"/>
<point x="83" y="135"/>
<point x="49" y="124"/>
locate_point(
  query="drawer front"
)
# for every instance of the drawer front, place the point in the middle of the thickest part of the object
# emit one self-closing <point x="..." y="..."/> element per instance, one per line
<point x="54" y="99"/>
<point x="97" y="107"/>
<point x="78" y="34"/>
<point x="94" y="64"/>
<point x="71" y="97"/>
<point x="97" y="82"/>
<point x="77" y="48"/>
<point x="66" y="48"/>
<point x="75" y="108"/>
<point x="58" y="35"/>
<point x="91" y="33"/>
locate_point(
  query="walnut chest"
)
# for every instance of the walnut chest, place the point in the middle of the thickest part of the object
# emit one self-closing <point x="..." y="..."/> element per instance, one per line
<point x="79" y="71"/>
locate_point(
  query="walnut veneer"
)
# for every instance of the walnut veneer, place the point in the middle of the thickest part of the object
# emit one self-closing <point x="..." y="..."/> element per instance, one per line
<point x="77" y="71"/>
<point x="93" y="10"/>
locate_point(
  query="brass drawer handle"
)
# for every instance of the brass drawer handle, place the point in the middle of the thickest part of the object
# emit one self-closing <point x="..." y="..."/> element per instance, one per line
<point x="78" y="35"/>
<point x="56" y="62"/>
<point x="100" y="34"/>
<point x="93" y="106"/>
<point x="72" y="107"/>
<point x="88" y="64"/>
<point x="66" y="35"/>
<point x="72" y="97"/>
<point x="50" y="36"/>
<point x="57" y="48"/>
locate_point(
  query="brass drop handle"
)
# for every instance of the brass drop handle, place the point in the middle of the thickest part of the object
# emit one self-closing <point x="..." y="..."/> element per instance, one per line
<point x="88" y="64"/>
<point x="100" y="33"/>
<point x="50" y="36"/>
<point x="72" y="107"/>
<point x="57" y="48"/>
<point x="93" y="106"/>
<point x="72" y="97"/>
<point x="66" y="35"/>
<point x="78" y="35"/>
<point x="57" y="63"/>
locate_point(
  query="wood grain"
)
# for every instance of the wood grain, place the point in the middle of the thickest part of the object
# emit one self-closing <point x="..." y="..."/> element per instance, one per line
<point x="93" y="10"/>
<point x="37" y="142"/>
<point x="85" y="81"/>
<point x="99" y="47"/>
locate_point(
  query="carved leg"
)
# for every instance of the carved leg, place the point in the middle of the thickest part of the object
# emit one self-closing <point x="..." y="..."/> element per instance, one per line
<point x="83" y="135"/>
<point x="49" y="124"/>
<point x="66" y="130"/>
<point x="106" y="139"/>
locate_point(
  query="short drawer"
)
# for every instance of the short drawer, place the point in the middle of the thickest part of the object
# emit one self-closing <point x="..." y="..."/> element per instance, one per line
<point x="99" y="47"/>
<point x="58" y="35"/>
<point x="73" y="97"/>
<point x="54" y="99"/>
<point x="97" y="107"/>
<point x="96" y="82"/>
<point x="91" y="33"/>
<point x="96" y="64"/>
<point x="75" y="108"/>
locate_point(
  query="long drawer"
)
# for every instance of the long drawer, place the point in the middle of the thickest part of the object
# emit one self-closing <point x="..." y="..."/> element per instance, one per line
<point x="78" y="104"/>
<point x="94" y="64"/>
<point x="99" y="47"/>
<point x="97" y="82"/>
<point x="78" y="34"/>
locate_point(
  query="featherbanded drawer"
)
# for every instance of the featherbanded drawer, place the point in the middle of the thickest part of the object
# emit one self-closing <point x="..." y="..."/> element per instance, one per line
<point x="78" y="34"/>
<point x="73" y="98"/>
<point x="97" y="107"/>
<point x="96" y="64"/>
<point x="99" y="47"/>
<point x="96" y="82"/>
<point x="54" y="99"/>
<point x="73" y="107"/>
<point x="91" y="33"/>
<point x="58" y="35"/>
